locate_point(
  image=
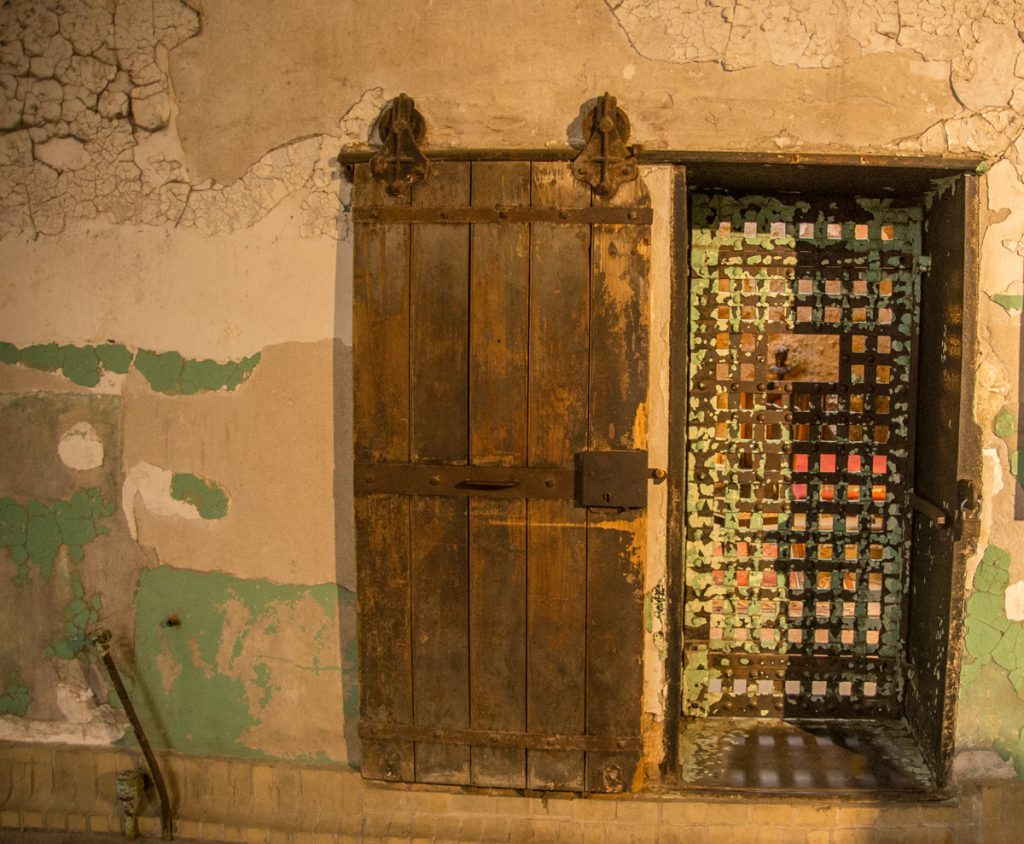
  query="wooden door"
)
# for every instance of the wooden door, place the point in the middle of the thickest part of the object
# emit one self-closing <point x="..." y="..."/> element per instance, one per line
<point x="500" y="330"/>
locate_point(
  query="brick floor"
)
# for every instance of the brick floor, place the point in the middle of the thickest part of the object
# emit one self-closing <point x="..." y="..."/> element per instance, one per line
<point x="58" y="795"/>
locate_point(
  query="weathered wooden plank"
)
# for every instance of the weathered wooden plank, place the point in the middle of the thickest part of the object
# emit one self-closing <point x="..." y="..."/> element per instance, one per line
<point x="499" y="336"/>
<point x="439" y="271"/>
<point x="616" y="541"/>
<point x="440" y="605"/>
<point x="559" y="354"/>
<point x="380" y="331"/>
<point x="381" y="432"/>
<point x="385" y="662"/>
<point x="497" y="624"/>
<point x="499" y="320"/>
<point x="439" y="322"/>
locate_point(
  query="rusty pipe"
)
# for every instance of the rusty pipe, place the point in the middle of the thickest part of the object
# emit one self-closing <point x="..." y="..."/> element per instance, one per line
<point x="99" y="641"/>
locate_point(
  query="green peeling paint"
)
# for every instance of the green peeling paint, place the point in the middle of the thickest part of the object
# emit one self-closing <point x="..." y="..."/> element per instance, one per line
<point x="992" y="676"/>
<point x="78" y="615"/>
<point x="169" y="372"/>
<point x="1009" y="302"/>
<point x="166" y="372"/>
<point x="213" y="678"/>
<point x="34" y="532"/>
<point x="1004" y="425"/>
<point x="82" y="365"/>
<point x="208" y="498"/>
<point x="261" y="679"/>
<point x="15" y="698"/>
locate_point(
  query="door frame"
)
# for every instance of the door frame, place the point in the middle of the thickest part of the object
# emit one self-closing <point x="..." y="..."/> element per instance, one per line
<point x="908" y="178"/>
<point x="784" y="171"/>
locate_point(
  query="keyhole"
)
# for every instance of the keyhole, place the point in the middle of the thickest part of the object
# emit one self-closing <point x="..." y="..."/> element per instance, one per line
<point x="607" y="498"/>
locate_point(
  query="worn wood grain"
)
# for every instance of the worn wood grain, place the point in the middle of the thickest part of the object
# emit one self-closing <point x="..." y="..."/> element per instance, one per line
<point x="499" y="320"/>
<point x="439" y="341"/>
<point x="616" y="540"/>
<point x="559" y="358"/>
<point x="385" y="660"/>
<point x="381" y="432"/>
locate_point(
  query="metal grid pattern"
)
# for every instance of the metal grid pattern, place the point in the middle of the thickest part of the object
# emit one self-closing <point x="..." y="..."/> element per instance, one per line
<point x="800" y="364"/>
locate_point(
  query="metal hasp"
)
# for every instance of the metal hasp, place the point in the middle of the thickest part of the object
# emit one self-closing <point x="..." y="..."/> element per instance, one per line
<point x="605" y="162"/>
<point x="968" y="507"/>
<point x="612" y="479"/>
<point x="400" y="163"/>
<point x="781" y="367"/>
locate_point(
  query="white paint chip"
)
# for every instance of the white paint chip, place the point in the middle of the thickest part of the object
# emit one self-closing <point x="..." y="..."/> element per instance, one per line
<point x="81" y="447"/>
<point x="1014" y="601"/>
<point x="152" y="485"/>
<point x="629" y="71"/>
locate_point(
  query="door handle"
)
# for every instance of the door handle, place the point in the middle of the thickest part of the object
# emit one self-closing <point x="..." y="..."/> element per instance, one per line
<point x="469" y="483"/>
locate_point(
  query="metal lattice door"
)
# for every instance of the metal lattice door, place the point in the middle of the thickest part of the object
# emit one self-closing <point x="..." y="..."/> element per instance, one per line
<point x="802" y="321"/>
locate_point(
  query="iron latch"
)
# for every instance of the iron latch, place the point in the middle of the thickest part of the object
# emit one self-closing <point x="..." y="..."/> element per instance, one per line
<point x="968" y="508"/>
<point x="612" y="479"/>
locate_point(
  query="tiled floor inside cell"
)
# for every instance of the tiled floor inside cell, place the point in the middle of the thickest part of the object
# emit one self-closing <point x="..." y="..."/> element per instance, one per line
<point x="801" y="755"/>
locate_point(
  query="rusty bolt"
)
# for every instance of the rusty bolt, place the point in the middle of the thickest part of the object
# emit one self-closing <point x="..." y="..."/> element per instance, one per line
<point x="503" y="214"/>
<point x="435" y="480"/>
<point x="564" y="215"/>
<point x="369" y="479"/>
<point x="632" y="215"/>
<point x="443" y="215"/>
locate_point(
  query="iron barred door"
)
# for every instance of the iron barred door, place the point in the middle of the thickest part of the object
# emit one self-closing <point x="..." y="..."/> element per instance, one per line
<point x="500" y="349"/>
<point x="801" y="358"/>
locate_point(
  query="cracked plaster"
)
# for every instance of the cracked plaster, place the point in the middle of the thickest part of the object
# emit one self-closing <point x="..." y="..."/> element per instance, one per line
<point x="87" y="128"/>
<point x="109" y="125"/>
<point x="89" y="118"/>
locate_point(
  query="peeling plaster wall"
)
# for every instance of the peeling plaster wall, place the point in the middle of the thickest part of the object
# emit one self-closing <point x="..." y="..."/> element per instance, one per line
<point x="167" y="189"/>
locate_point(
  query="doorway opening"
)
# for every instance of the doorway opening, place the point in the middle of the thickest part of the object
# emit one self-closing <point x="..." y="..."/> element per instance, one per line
<point x="828" y="466"/>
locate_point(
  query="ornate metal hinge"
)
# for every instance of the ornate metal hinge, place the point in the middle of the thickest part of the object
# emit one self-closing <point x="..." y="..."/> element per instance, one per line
<point x="400" y="163"/>
<point x="606" y="162"/>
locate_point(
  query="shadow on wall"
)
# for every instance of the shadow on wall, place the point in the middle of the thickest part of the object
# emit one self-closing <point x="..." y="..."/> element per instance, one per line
<point x="344" y="531"/>
<point x="1015" y="448"/>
